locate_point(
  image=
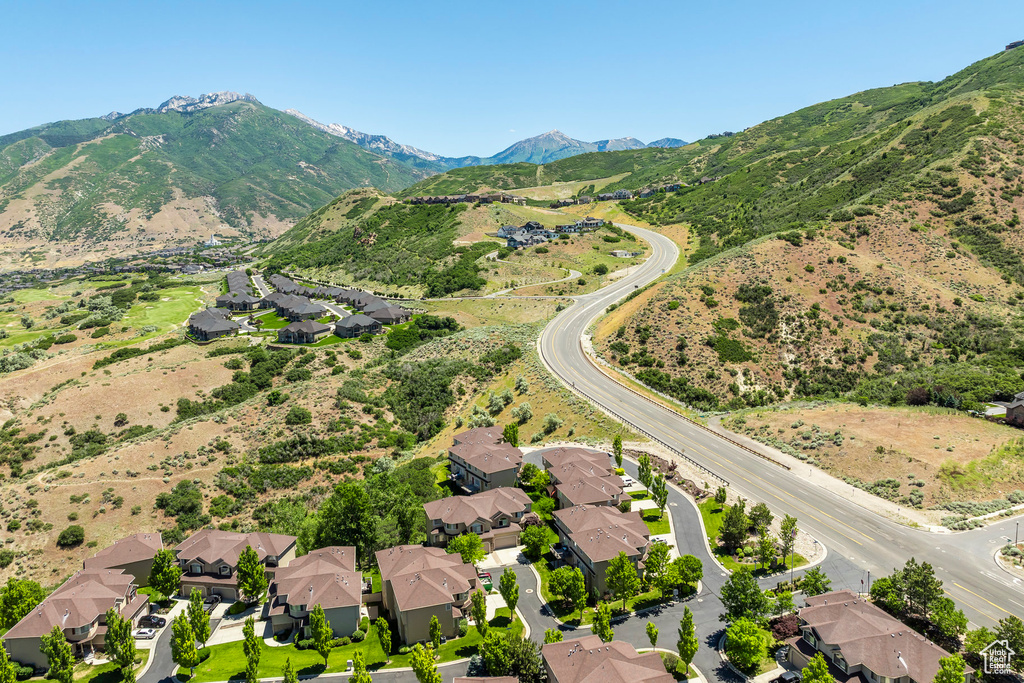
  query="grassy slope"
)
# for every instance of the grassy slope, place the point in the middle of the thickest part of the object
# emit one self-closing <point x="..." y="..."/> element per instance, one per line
<point x="249" y="158"/>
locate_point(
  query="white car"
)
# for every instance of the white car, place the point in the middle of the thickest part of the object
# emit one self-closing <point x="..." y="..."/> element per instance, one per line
<point x="628" y="481"/>
<point x="145" y="633"/>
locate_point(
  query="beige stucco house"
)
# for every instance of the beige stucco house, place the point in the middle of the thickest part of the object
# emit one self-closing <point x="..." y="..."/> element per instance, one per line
<point x="325" y="577"/>
<point x="494" y="515"/>
<point x="209" y="559"/>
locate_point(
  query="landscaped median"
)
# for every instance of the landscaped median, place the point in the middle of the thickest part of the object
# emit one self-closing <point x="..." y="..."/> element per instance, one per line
<point x="714" y="514"/>
<point x="227" y="661"/>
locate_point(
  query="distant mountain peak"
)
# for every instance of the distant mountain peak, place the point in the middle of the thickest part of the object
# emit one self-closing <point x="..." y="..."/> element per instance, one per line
<point x="185" y="103"/>
<point x="381" y="144"/>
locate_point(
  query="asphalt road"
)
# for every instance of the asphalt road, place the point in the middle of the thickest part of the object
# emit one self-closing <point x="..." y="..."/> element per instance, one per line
<point x="858" y="540"/>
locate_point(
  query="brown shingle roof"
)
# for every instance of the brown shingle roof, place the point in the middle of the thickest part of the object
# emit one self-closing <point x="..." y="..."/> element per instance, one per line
<point x="326" y="577"/>
<point x="868" y="636"/>
<point x="485" y="435"/>
<point x="134" y="548"/>
<point x="486" y="505"/>
<point x="79" y="602"/>
<point x="424" y="577"/>
<point x="592" y="490"/>
<point x="489" y="458"/>
<point x="567" y="454"/>
<point x="583" y="517"/>
<point x="603" y="544"/>
<point x="213" y="545"/>
<point x="589" y="660"/>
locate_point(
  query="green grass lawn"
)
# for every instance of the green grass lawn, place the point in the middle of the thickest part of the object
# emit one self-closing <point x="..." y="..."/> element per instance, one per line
<point x="272" y="321"/>
<point x="656" y="521"/>
<point x="712" y="514"/>
<point x="181" y="302"/>
<point x="106" y="673"/>
<point x="639" y="494"/>
<point x="329" y="340"/>
<point x="227" y="661"/>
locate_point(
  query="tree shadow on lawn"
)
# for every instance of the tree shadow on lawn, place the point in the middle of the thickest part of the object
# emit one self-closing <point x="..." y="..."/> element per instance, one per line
<point x="311" y="670"/>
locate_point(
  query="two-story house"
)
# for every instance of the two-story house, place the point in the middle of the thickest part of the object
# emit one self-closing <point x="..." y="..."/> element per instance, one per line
<point x="209" y="559"/>
<point x="494" y="515"/>
<point x="588" y="659"/>
<point x="478" y="463"/>
<point x="133" y="554"/>
<point x="595" y="534"/>
<point x="325" y="577"/>
<point x="420" y="583"/>
<point x="581" y="476"/>
<point x="79" y="607"/>
<point x="863" y="642"/>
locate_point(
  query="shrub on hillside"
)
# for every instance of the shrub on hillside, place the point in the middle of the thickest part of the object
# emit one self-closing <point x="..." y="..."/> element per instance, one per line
<point x="71" y="537"/>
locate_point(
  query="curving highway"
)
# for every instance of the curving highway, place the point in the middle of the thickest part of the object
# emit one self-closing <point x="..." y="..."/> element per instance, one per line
<point x="859" y="541"/>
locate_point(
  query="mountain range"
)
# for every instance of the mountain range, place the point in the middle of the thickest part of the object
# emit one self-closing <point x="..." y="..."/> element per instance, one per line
<point x="540" y="149"/>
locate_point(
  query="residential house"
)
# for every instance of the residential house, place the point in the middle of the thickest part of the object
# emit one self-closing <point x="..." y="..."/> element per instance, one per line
<point x="484" y="466"/>
<point x="605" y="197"/>
<point x="325" y="577"/>
<point x="584" y="200"/>
<point x="209" y="559"/>
<point x="647" y="192"/>
<point x="591" y="223"/>
<point x="305" y="332"/>
<point x="485" y="679"/>
<point x="375" y="305"/>
<point x="521" y="240"/>
<point x="506" y="230"/>
<point x="621" y="253"/>
<point x="494" y="515"/>
<point x="79" y="607"/>
<point x="486" y="435"/>
<point x="391" y="315"/>
<point x="595" y="535"/>
<point x="588" y="659"/>
<point x="622" y="194"/>
<point x="863" y="642"/>
<point x="1015" y="410"/>
<point x="1016" y="43"/>
<point x="581" y="476"/>
<point x="211" y="323"/>
<point x="420" y="583"/>
<point x="356" y="326"/>
<point x="239" y="301"/>
<point x="132" y="554"/>
<point x="298" y="310"/>
<point x="671" y="187"/>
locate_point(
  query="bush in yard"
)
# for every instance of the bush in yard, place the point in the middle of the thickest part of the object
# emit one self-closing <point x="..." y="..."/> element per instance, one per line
<point x="358" y="636"/>
<point x="70" y="537"/>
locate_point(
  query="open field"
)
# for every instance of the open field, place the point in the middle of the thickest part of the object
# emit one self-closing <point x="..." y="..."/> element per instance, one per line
<point x="568" y="189"/>
<point x="479" y="312"/>
<point x="933" y="446"/>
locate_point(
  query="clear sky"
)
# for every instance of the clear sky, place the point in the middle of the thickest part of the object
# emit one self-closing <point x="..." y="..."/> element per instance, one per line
<point x="460" y="78"/>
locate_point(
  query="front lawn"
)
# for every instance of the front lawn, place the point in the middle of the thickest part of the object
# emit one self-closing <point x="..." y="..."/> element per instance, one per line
<point x="227" y="661"/>
<point x="656" y="521"/>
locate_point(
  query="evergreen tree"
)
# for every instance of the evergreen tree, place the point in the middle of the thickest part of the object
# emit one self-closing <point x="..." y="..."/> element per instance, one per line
<point x="251" y="575"/>
<point x="383" y="636"/>
<point x="720" y="495"/>
<point x="687" y="644"/>
<point x="251" y="648"/>
<point x="165" y="575"/>
<point x="198" y="618"/>
<point x="321" y="633"/>
<point x="59" y="655"/>
<point x="733" y="531"/>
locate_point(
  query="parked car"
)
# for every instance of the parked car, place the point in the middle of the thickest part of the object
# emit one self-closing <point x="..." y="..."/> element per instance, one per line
<point x="145" y="634"/>
<point x="788" y="677"/>
<point x="628" y="481"/>
<point x="211" y="602"/>
<point x="152" y="621"/>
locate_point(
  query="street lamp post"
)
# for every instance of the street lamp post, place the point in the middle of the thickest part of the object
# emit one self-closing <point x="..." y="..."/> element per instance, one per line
<point x="792" y="558"/>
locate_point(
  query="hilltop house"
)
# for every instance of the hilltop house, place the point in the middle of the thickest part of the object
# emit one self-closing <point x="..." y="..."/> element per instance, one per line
<point x="209" y="559"/>
<point x="391" y="315"/>
<point x="211" y="323"/>
<point x="133" y="555"/>
<point x="862" y="642"/>
<point x="1015" y="410"/>
<point x="420" y="583"/>
<point x="325" y="577"/>
<point x="79" y="607"/>
<point x="594" y="535"/>
<point x="588" y="659"/>
<point x="480" y="465"/>
<point x="494" y="515"/>
<point x="357" y="325"/>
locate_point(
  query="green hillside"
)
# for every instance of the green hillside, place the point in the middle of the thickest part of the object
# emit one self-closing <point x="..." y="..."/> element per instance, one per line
<point x="374" y="239"/>
<point x="82" y="179"/>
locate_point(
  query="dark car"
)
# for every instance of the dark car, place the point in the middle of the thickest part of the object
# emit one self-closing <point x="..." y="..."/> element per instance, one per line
<point x="788" y="677"/>
<point x="211" y="602"/>
<point x="152" y="621"/>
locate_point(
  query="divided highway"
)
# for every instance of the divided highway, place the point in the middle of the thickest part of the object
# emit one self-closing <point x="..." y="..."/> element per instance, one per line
<point x="858" y="540"/>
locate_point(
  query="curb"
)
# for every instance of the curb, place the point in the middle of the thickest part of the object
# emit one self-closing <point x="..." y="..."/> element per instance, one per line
<point x="700" y="674"/>
<point x="995" y="558"/>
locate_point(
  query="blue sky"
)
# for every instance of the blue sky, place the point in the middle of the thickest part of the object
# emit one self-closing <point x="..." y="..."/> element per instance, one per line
<point x="461" y="78"/>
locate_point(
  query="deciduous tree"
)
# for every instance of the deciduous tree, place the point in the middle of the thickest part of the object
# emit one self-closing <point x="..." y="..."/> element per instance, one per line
<point x="478" y="610"/>
<point x="760" y="516"/>
<point x="534" y="538"/>
<point x="1011" y="629"/>
<point x="469" y="546"/>
<point x="617" y="449"/>
<point x="59" y="656"/>
<point x="320" y="631"/>
<point x="198" y="618"/>
<point x="952" y="669"/>
<point x="288" y="672"/>
<point x="423" y="664"/>
<point x="511" y="434"/>
<point x="8" y="670"/>
<point x="652" y="633"/>
<point x="689" y="569"/>
<point x="950" y="620"/>
<point x="435" y="631"/>
<point x="251" y="648"/>
<point x="816" y="670"/>
<point x="659" y="492"/>
<point x="119" y="644"/>
<point x="508" y="586"/>
<point x="18" y="597"/>
<point x="687" y="644"/>
<point x="603" y="622"/>
<point x="743" y="598"/>
<point x="183" y="644"/>
<point x="622" y="578"/>
<point x="657" y="568"/>
<point x="815" y="582"/>
<point x="165" y="575"/>
<point x="787" y="537"/>
<point x="720" y="495"/>
<point x="765" y="546"/>
<point x="552" y="635"/>
<point x="733" y="531"/>
<point x="251" y="575"/>
<point x="746" y="644"/>
<point x="644" y="470"/>
<point x="359" y="672"/>
<point x="383" y="636"/>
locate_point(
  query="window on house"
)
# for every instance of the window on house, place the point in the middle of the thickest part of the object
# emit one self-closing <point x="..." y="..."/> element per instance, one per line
<point x="809" y="637"/>
<point x="225" y="570"/>
<point x="839" y="661"/>
<point x="477" y="528"/>
<point x="195" y="568"/>
<point x="448" y="607"/>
